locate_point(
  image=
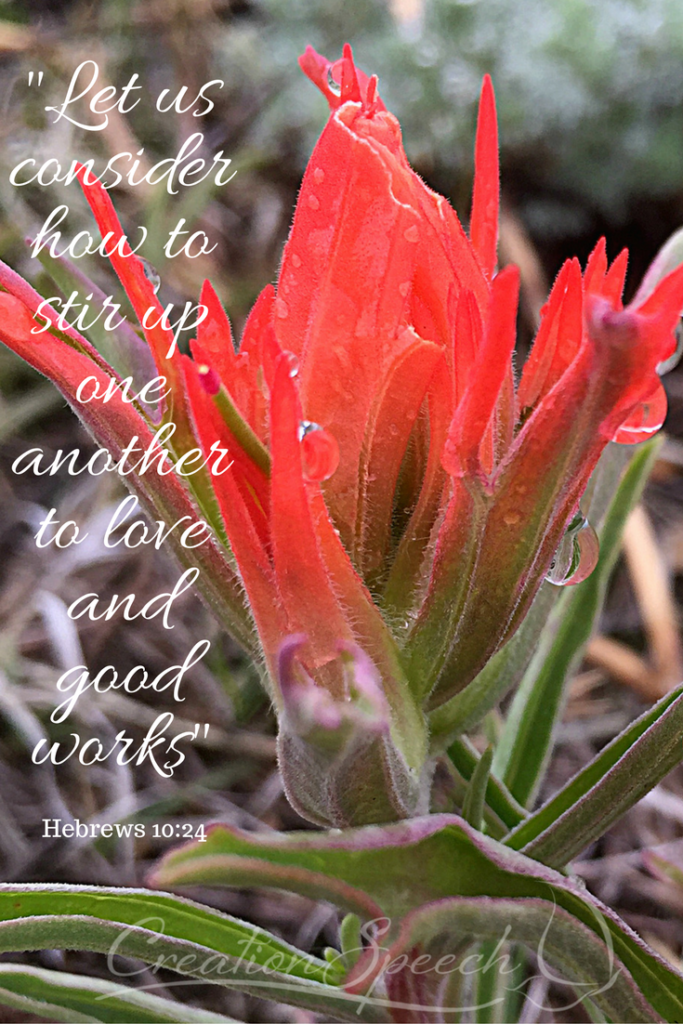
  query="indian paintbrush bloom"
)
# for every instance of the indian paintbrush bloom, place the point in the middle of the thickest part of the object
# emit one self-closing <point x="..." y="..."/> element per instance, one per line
<point x="395" y="496"/>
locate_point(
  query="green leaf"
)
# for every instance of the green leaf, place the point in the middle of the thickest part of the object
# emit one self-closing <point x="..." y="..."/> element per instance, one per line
<point x="558" y="940"/>
<point x="621" y="774"/>
<point x="526" y="742"/>
<point x="350" y="939"/>
<point x="473" y="807"/>
<point x="466" y="759"/>
<point x="59" y="996"/>
<point x="401" y="867"/>
<point x="175" y="933"/>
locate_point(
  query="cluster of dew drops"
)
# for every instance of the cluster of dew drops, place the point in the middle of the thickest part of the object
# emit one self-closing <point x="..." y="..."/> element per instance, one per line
<point x="575" y="558"/>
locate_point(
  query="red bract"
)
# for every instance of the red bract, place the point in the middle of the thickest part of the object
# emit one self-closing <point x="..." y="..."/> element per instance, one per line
<point x="394" y="501"/>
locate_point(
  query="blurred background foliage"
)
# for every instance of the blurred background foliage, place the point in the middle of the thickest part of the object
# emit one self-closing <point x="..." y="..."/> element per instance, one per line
<point x="590" y="96"/>
<point x="590" y="99"/>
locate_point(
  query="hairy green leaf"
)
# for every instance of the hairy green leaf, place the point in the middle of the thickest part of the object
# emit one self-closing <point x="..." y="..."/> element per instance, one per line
<point x="621" y="774"/>
<point x="465" y="759"/>
<point x="402" y="867"/>
<point x="59" y="996"/>
<point x="588" y="966"/>
<point x="473" y="807"/>
<point x="173" y="933"/>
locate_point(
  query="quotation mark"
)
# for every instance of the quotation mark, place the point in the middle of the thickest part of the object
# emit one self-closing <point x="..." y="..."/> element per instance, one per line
<point x="30" y="77"/>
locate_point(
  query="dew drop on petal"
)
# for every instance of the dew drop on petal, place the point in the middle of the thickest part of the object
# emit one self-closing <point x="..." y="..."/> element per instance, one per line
<point x="318" y="175"/>
<point x="319" y="451"/>
<point x="411" y="234"/>
<point x="151" y="274"/>
<point x="281" y="309"/>
<point x="577" y="554"/>
<point x="404" y="288"/>
<point x="313" y="202"/>
<point x="293" y="363"/>
<point x="296" y="260"/>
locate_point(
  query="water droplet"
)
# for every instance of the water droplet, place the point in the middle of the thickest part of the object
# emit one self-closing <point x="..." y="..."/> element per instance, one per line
<point x="319" y="451"/>
<point x="511" y="518"/>
<point x="296" y="260"/>
<point x="577" y="554"/>
<point x="675" y="358"/>
<point x="281" y="309"/>
<point x="332" y="83"/>
<point x="404" y="288"/>
<point x="151" y="274"/>
<point x="318" y="175"/>
<point x="314" y="202"/>
<point x="293" y="363"/>
<point x="411" y="234"/>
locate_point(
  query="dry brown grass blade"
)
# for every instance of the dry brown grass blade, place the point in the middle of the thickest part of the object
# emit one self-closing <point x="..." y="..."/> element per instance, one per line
<point x="652" y="585"/>
<point x="624" y="665"/>
<point x="15" y="38"/>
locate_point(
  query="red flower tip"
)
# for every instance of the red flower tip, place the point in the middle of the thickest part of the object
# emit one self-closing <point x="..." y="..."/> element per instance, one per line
<point x="596" y="268"/>
<point x="208" y="378"/>
<point x="341" y="81"/>
<point x="615" y="327"/>
<point x="485" y="200"/>
<point x="350" y="88"/>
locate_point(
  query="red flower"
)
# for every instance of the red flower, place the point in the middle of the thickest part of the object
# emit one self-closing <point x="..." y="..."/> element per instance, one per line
<point x="394" y="499"/>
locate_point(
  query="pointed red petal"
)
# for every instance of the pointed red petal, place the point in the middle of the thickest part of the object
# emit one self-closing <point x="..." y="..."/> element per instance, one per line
<point x="613" y="287"/>
<point x="259" y="319"/>
<point x="131" y="273"/>
<point x="350" y="88"/>
<point x="474" y="413"/>
<point x="245" y="541"/>
<point x="484" y="220"/>
<point x="397" y="404"/>
<point x="467" y="337"/>
<point x="303" y="581"/>
<point x="558" y="339"/>
<point x="214" y="334"/>
<point x="208" y="422"/>
<point x="596" y="268"/>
